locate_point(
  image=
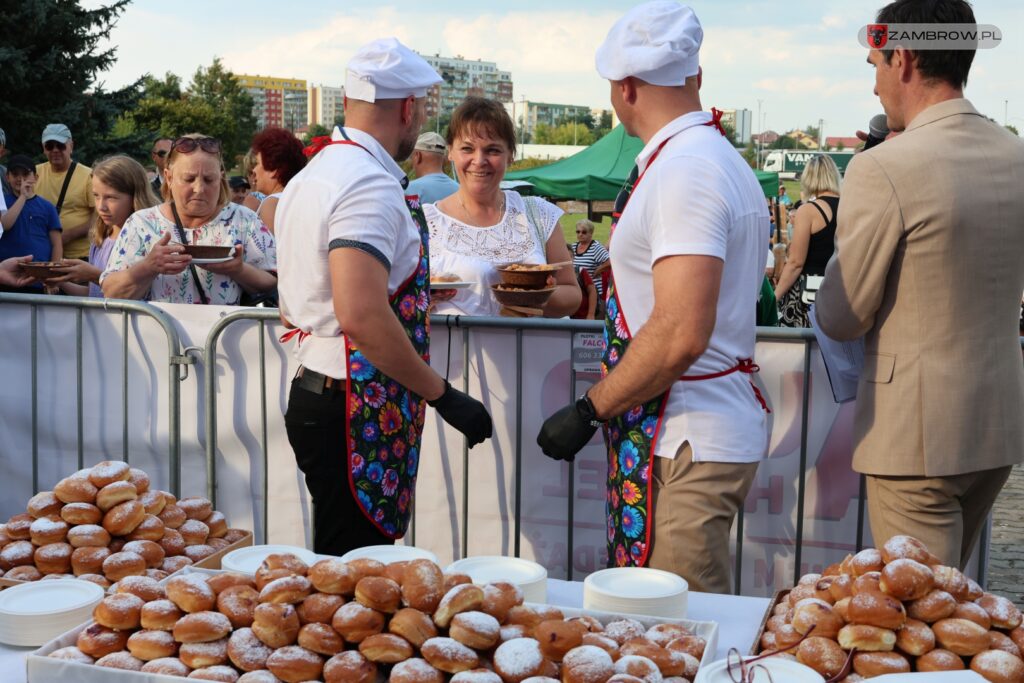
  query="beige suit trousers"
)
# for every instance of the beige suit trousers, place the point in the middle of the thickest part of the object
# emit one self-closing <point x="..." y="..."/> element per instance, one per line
<point x="945" y="513"/>
<point x="694" y="507"/>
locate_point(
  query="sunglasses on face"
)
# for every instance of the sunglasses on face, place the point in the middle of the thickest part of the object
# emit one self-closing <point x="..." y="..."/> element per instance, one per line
<point x="189" y="145"/>
<point x="53" y="144"/>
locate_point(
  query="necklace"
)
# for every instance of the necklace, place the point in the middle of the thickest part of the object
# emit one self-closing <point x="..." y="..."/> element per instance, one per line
<point x="501" y="206"/>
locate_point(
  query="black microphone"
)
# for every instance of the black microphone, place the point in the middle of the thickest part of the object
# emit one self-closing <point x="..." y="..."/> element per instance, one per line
<point x="878" y="129"/>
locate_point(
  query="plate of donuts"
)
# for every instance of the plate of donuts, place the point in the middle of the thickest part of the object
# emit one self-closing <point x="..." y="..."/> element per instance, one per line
<point x="636" y="590"/>
<point x="33" y="613"/>
<point x="531" y="577"/>
<point x="247" y="560"/>
<point x="390" y="553"/>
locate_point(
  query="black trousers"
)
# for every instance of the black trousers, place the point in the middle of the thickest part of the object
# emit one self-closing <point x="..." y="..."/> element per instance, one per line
<point x="316" y="431"/>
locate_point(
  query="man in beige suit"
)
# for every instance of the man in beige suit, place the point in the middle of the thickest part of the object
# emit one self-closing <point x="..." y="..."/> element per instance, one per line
<point x="929" y="265"/>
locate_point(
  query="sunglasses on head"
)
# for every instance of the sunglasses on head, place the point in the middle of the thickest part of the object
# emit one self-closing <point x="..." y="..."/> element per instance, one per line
<point x="189" y="145"/>
<point x="51" y="145"/>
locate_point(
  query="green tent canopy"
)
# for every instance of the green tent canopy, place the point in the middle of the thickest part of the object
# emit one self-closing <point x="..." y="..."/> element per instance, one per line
<point x="599" y="171"/>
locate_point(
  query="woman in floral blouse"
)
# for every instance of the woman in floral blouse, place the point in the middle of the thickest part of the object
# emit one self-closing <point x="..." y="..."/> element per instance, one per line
<point x="148" y="259"/>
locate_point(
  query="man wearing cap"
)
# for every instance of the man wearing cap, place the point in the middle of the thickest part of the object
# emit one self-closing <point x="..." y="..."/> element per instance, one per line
<point x="354" y="286"/>
<point x="685" y="424"/>
<point x="431" y="184"/>
<point x="66" y="184"/>
<point x="937" y="426"/>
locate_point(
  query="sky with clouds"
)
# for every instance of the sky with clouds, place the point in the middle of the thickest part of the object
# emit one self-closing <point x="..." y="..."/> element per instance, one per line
<point x="800" y="59"/>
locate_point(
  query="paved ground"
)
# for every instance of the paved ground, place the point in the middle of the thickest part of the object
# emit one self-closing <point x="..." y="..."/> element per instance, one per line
<point x="1006" y="560"/>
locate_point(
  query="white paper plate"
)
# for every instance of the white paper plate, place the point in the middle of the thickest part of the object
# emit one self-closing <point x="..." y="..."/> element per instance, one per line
<point x="781" y="670"/>
<point x="248" y="560"/>
<point x="390" y="553"/>
<point x="450" y="285"/>
<point x="43" y="598"/>
<point x="635" y="583"/>
<point x="489" y="568"/>
<point x="204" y="261"/>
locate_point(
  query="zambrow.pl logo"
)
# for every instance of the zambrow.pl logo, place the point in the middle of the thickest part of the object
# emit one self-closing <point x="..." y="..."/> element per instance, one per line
<point x="877" y="35"/>
<point x="930" y="36"/>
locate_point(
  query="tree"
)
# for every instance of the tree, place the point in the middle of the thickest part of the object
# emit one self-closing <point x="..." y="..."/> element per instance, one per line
<point x="50" y="55"/>
<point x="564" y="134"/>
<point x="437" y="125"/>
<point x="213" y="104"/>
<point x="315" y="131"/>
<point x="1012" y="128"/>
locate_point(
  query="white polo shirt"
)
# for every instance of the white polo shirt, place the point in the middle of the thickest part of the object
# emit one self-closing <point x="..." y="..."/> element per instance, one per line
<point x="344" y="198"/>
<point x="700" y="197"/>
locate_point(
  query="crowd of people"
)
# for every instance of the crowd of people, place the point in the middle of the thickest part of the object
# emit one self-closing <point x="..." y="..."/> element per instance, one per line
<point x="923" y="259"/>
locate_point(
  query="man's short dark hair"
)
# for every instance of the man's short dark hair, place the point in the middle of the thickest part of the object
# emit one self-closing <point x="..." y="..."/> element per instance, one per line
<point x="950" y="66"/>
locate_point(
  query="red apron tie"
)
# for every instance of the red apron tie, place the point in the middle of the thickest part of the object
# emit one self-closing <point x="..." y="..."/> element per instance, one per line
<point x="745" y="365"/>
<point x="716" y="120"/>
<point x="290" y="334"/>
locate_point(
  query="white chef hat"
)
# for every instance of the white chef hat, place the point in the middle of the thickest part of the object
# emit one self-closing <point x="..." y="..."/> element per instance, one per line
<point x="657" y="42"/>
<point x="385" y="69"/>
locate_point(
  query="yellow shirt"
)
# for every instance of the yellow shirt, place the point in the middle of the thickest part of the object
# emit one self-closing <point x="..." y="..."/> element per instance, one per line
<point x="78" y="202"/>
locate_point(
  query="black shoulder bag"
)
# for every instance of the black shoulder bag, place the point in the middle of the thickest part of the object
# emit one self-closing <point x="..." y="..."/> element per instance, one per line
<point x="181" y="236"/>
<point x="64" y="187"/>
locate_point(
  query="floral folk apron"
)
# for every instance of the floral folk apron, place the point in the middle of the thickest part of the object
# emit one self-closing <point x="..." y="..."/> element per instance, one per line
<point x="384" y="420"/>
<point x="632" y="436"/>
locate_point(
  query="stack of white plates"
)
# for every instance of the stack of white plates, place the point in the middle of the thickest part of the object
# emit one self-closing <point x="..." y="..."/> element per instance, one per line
<point x="531" y="577"/>
<point x="36" y="613"/>
<point x="636" y="590"/>
<point x="390" y="553"/>
<point x="247" y="560"/>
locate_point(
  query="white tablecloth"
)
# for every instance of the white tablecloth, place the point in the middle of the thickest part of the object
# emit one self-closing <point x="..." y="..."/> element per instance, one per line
<point x="737" y="617"/>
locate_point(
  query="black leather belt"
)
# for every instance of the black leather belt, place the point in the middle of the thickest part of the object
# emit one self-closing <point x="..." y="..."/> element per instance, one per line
<point x="317" y="383"/>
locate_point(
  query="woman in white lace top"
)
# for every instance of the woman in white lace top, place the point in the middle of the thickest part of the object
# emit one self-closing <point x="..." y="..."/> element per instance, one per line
<point x="481" y="227"/>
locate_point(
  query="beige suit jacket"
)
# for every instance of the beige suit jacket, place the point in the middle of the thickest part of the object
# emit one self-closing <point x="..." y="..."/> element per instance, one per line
<point x="929" y="268"/>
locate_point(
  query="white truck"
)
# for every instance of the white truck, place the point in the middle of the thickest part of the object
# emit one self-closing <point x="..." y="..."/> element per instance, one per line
<point x="790" y="163"/>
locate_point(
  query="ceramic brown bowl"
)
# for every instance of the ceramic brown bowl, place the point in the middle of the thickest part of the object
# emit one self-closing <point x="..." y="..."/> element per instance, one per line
<point x="42" y="270"/>
<point x="526" y="276"/>
<point x="208" y="251"/>
<point x="531" y="298"/>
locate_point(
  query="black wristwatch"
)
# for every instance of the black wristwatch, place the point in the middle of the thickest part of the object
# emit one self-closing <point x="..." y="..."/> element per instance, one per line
<point x="586" y="409"/>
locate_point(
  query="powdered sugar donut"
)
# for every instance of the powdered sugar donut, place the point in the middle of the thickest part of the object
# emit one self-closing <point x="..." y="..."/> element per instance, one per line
<point x="518" y="659"/>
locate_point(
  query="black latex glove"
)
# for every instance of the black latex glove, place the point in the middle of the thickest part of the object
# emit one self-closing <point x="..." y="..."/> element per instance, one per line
<point x="465" y="413"/>
<point x="563" y="434"/>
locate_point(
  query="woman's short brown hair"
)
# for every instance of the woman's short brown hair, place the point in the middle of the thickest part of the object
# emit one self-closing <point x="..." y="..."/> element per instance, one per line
<point x="480" y="115"/>
<point x="225" y="192"/>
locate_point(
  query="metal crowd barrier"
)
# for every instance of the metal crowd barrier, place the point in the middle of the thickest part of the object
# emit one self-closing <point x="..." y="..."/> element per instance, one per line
<point x="175" y="358"/>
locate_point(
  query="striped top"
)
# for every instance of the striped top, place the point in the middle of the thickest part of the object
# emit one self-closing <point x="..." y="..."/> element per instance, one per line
<point x="593" y="257"/>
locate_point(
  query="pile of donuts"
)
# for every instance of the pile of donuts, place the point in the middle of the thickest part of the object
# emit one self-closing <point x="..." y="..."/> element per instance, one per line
<point x="104" y="523"/>
<point x="363" y="622"/>
<point x="902" y="611"/>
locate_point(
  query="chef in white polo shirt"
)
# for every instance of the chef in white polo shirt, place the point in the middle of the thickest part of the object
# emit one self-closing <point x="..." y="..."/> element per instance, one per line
<point x="685" y="425"/>
<point x="354" y="288"/>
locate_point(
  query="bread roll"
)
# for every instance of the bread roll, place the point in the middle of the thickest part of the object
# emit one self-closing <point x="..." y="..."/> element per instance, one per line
<point x="961" y="636"/>
<point x="871" y="664"/>
<point x="44" y="504"/>
<point x="866" y="638"/>
<point x="1003" y="613"/>
<point x="997" y="640"/>
<point x="972" y="612"/>
<point x="121" y="660"/>
<point x="54" y="558"/>
<point x="951" y="580"/>
<point x="150" y="645"/>
<point x="379" y="593"/>
<point x="905" y="547"/>
<point x="199" y="655"/>
<point x="818" y="615"/>
<point x="247" y="651"/>
<point x="238" y="604"/>
<point x="355" y="622"/>
<point x="75" y="490"/>
<point x="98" y="640"/>
<point x="167" y="666"/>
<point x="153" y="502"/>
<point x="196" y="507"/>
<point x="73" y="654"/>
<point x="480" y="631"/>
<point x="422" y="585"/>
<point x="939" y="660"/>
<point x="149" y="551"/>
<point x="191" y="593"/>
<point x="218" y="672"/>
<point x="870" y="582"/>
<point x="450" y="655"/>
<point x="414" y="670"/>
<point x="997" y="666"/>
<point x="172" y="516"/>
<point x="319" y="608"/>
<point x="461" y="598"/>
<point x="122" y="519"/>
<point x="333" y="576"/>
<point x="115" y="493"/>
<point x="109" y="471"/>
<point x="915" y="638"/>
<point x="294" y="664"/>
<point x="386" y="648"/>
<point x="876" y="609"/>
<point x="906" y="579"/>
<point x="149" y="529"/>
<point x="201" y="627"/>
<point x="322" y="639"/>
<point x="937" y="604"/>
<point x="823" y="655"/>
<point x="867" y="560"/>
<point x="122" y="564"/>
<point x="81" y="513"/>
<point x="413" y="625"/>
<point x="277" y="625"/>
<point x="350" y="667"/>
<point x="584" y="663"/>
<point x="159" y="615"/>
<point x="288" y="589"/>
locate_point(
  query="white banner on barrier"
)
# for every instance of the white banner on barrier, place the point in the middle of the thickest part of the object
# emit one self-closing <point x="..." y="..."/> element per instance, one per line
<point x="519" y="397"/>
